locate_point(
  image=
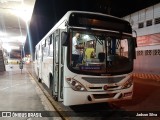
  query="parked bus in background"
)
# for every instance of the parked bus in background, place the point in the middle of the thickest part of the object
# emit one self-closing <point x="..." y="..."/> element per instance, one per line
<point x="99" y="70"/>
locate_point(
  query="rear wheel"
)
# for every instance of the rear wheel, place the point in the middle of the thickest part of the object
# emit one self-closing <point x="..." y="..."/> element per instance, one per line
<point x="51" y="83"/>
<point x="55" y="97"/>
<point x="39" y="80"/>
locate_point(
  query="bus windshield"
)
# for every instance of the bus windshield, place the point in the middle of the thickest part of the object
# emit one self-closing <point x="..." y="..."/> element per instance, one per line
<point x="99" y="53"/>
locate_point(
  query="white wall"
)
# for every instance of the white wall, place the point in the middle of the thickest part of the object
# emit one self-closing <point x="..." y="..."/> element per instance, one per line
<point x="143" y="15"/>
<point x="148" y="56"/>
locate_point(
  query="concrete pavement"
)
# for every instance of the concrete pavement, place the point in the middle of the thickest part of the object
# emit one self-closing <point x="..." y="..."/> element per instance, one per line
<point x="19" y="92"/>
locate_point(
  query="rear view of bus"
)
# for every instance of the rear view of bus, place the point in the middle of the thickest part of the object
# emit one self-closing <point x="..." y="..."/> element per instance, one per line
<point x="105" y="61"/>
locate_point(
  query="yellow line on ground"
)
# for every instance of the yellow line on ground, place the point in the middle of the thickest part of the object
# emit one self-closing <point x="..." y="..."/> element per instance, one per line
<point x="146" y="76"/>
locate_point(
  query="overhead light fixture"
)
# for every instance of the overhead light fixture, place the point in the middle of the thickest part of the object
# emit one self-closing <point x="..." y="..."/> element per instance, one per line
<point x="23" y="14"/>
<point x="2" y="34"/>
<point x="9" y="47"/>
<point x="23" y="11"/>
<point x="86" y="37"/>
<point x="5" y="1"/>
<point x="22" y="39"/>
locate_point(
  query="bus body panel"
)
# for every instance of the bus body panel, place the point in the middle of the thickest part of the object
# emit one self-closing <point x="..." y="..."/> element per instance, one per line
<point x="38" y="60"/>
<point x="72" y="97"/>
<point x="47" y="66"/>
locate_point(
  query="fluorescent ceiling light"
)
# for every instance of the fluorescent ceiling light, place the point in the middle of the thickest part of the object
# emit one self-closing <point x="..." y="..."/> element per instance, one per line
<point x="5" y="1"/>
<point x="9" y="47"/>
<point x="3" y="34"/>
<point x="21" y="39"/>
<point x="24" y="12"/>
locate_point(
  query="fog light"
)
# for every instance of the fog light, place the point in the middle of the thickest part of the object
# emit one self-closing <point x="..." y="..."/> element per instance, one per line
<point x="127" y="94"/>
<point x="89" y="98"/>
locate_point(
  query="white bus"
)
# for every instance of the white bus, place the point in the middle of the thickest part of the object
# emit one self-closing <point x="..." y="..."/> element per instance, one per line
<point x="102" y="70"/>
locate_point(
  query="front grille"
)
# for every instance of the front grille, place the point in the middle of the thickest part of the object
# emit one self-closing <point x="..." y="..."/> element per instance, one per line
<point x="101" y="96"/>
<point x="109" y="88"/>
<point x="95" y="87"/>
<point x="112" y="87"/>
<point x="110" y="80"/>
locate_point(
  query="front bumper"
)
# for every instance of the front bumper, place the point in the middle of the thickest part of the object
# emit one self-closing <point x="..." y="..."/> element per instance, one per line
<point x="72" y="97"/>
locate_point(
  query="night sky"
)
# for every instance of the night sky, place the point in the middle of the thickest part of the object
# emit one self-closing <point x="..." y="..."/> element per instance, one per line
<point x="48" y="12"/>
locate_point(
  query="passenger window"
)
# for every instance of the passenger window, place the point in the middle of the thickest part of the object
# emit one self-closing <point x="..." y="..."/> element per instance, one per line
<point x="56" y="48"/>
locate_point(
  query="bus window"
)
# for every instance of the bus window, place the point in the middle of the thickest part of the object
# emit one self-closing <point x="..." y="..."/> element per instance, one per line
<point x="56" y="48"/>
<point x="51" y="45"/>
<point x="97" y="53"/>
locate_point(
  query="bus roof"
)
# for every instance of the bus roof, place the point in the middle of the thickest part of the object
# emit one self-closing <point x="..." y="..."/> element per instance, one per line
<point x="67" y="15"/>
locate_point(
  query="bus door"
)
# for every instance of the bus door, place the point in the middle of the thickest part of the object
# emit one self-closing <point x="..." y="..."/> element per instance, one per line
<point x="37" y="61"/>
<point x="40" y="62"/>
<point x="57" y="93"/>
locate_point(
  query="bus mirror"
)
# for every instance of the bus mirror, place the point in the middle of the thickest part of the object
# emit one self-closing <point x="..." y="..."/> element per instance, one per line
<point x="132" y="49"/>
<point x="135" y="41"/>
<point x="64" y="37"/>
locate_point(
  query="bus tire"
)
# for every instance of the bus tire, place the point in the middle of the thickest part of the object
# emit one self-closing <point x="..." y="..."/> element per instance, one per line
<point x="55" y="97"/>
<point x="39" y="80"/>
<point x="51" y="83"/>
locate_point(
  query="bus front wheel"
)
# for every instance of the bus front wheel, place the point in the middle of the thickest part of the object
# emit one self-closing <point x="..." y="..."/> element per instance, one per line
<point x="39" y="80"/>
<point x="55" y="97"/>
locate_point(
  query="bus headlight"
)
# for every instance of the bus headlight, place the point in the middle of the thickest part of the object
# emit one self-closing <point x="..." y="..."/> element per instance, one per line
<point x="128" y="83"/>
<point x="75" y="85"/>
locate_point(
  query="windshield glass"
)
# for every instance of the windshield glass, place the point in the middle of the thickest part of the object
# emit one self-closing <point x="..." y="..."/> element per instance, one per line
<point x="97" y="52"/>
